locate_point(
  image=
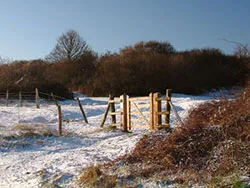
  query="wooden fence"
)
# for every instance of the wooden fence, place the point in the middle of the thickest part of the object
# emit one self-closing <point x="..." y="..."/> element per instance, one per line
<point x="20" y="97"/>
<point x="141" y="112"/>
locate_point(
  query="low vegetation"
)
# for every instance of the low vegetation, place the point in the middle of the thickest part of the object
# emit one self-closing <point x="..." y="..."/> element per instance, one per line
<point x="212" y="148"/>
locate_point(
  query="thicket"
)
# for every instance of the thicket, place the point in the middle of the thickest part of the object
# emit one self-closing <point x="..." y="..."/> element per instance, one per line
<point x="136" y="70"/>
<point x="61" y="78"/>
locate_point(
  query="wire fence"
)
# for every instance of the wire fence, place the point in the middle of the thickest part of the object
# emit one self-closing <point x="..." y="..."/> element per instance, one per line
<point x="43" y="108"/>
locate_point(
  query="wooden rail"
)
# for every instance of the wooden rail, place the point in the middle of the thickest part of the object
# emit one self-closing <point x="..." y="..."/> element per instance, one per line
<point x="133" y="111"/>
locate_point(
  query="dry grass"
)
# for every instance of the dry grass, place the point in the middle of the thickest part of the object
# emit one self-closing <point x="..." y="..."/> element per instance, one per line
<point x="32" y="130"/>
<point x="94" y="177"/>
<point x="213" y="145"/>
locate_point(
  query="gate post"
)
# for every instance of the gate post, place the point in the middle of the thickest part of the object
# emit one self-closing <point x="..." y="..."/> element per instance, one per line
<point x="157" y="109"/>
<point x="168" y="96"/>
<point x="124" y="122"/>
<point x="128" y="114"/>
<point x="151" y="108"/>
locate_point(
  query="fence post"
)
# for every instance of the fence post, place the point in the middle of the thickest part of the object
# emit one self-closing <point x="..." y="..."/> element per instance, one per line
<point x="151" y="108"/>
<point x="20" y="99"/>
<point x="83" y="114"/>
<point x="157" y="109"/>
<point x="128" y="113"/>
<point x="59" y="120"/>
<point x="37" y="99"/>
<point x="105" y="115"/>
<point x="168" y="96"/>
<point x="7" y="98"/>
<point x="124" y="112"/>
<point x="112" y="110"/>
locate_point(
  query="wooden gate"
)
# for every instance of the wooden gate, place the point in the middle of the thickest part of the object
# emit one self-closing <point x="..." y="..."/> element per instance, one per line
<point x="141" y="112"/>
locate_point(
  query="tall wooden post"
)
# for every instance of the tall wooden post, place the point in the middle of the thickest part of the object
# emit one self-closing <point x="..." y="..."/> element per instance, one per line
<point x="20" y="99"/>
<point x="59" y="120"/>
<point x="168" y="96"/>
<point x="83" y="114"/>
<point x="157" y="110"/>
<point x="124" y="122"/>
<point x="112" y="110"/>
<point x="37" y="99"/>
<point x="7" y="98"/>
<point x="128" y="114"/>
<point x="105" y="115"/>
<point x="151" y="108"/>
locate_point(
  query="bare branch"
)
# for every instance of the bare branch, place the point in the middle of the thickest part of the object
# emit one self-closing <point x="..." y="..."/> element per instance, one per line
<point x="242" y="50"/>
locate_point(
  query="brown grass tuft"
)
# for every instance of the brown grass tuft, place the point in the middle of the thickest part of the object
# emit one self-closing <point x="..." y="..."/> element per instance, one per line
<point x="213" y="142"/>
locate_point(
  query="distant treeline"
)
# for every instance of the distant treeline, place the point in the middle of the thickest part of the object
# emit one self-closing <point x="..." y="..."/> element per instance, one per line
<point x="136" y="70"/>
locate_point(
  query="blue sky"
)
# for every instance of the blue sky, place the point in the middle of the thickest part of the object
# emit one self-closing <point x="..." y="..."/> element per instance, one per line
<point x="29" y="28"/>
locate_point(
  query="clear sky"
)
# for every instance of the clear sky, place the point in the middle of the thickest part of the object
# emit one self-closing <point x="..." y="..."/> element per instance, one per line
<point x="29" y="28"/>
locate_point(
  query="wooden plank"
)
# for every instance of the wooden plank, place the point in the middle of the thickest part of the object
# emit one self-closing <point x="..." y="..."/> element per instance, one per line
<point x="112" y="110"/>
<point x="163" y="113"/>
<point x="115" y="101"/>
<point x="176" y="114"/>
<point x="114" y="125"/>
<point x="115" y="113"/>
<point x="163" y="99"/>
<point x="145" y="119"/>
<point x="81" y="108"/>
<point x="143" y="105"/>
<point x="105" y="115"/>
<point x="138" y="99"/>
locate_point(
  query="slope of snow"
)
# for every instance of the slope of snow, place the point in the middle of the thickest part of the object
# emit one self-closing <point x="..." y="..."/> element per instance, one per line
<point x="43" y="160"/>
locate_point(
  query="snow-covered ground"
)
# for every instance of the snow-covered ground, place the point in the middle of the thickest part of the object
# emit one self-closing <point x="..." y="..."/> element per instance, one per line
<point x="43" y="160"/>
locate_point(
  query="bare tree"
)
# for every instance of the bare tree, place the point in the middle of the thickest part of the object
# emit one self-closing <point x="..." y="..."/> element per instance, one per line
<point x="241" y="50"/>
<point x="69" y="46"/>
